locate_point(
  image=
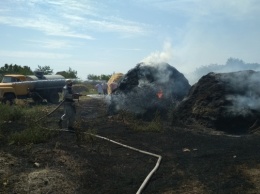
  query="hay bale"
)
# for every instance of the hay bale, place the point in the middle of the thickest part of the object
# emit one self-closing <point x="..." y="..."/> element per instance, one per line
<point x="115" y="78"/>
<point x="223" y="101"/>
<point x="147" y="88"/>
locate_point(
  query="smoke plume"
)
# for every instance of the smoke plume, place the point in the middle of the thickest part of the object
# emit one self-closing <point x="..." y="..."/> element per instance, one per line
<point x="245" y="92"/>
<point x="160" y="57"/>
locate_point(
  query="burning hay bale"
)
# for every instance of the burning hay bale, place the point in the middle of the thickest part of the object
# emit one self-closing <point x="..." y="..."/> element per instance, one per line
<point x="224" y="101"/>
<point x="148" y="88"/>
<point x="113" y="81"/>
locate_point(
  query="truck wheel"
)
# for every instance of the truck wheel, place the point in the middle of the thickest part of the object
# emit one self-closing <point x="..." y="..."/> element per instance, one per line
<point x="8" y="99"/>
<point x="53" y="97"/>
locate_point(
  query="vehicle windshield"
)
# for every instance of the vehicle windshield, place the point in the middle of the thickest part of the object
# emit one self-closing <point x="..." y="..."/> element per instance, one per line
<point x="7" y="79"/>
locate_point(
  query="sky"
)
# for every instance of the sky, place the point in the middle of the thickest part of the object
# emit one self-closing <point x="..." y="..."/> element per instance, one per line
<point x="110" y="36"/>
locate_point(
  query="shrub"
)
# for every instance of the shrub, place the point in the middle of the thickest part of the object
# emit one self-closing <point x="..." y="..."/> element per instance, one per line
<point x="10" y="113"/>
<point x="31" y="135"/>
<point x="19" y="124"/>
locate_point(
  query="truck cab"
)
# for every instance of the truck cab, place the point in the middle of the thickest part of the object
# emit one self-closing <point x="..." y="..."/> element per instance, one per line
<point x="9" y="78"/>
<point x="39" y="87"/>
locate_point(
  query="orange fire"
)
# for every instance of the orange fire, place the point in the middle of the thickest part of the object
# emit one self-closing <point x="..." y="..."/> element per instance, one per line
<point x="160" y="94"/>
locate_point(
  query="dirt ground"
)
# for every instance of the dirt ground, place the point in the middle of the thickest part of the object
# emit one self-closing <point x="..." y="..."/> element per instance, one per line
<point x="194" y="160"/>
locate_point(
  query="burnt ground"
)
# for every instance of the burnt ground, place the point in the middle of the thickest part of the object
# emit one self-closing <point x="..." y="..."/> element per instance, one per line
<point x="194" y="160"/>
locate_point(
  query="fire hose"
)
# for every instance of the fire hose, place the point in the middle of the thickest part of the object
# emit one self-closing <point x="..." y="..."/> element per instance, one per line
<point x="77" y="95"/>
<point x="148" y="177"/>
<point x="138" y="150"/>
<point x="145" y="182"/>
<point x="51" y="111"/>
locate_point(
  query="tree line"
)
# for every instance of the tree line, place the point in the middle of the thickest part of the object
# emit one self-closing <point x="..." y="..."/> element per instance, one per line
<point x="26" y="70"/>
<point x="98" y="77"/>
<point x="231" y="65"/>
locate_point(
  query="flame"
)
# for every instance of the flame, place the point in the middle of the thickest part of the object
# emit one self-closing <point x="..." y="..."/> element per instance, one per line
<point x="160" y="94"/>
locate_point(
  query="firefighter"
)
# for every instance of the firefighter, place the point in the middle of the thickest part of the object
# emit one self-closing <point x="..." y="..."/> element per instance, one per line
<point x="104" y="86"/>
<point x="99" y="88"/>
<point x="68" y="118"/>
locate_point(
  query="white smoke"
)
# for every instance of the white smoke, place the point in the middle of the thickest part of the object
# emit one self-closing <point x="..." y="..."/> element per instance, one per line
<point x="245" y="87"/>
<point x="163" y="56"/>
<point x="158" y="59"/>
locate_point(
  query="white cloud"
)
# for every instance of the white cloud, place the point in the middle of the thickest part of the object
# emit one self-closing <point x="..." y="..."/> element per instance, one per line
<point x="76" y="19"/>
<point x="32" y="55"/>
<point x="121" y="27"/>
<point x="201" y="8"/>
<point x="44" y="25"/>
<point x="51" y="44"/>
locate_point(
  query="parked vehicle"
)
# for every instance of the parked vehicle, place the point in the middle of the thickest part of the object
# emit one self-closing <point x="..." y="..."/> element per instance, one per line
<point x="39" y="87"/>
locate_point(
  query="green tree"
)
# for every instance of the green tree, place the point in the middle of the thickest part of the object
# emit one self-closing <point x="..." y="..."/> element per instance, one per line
<point x="15" y="69"/>
<point x="68" y="74"/>
<point x="105" y="77"/>
<point x="45" y="69"/>
<point x="92" y="77"/>
<point x="25" y="70"/>
<point x="98" y="77"/>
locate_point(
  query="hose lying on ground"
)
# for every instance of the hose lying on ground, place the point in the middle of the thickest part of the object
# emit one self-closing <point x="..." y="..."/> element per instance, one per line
<point x="138" y="150"/>
<point x="132" y="148"/>
<point x="135" y="149"/>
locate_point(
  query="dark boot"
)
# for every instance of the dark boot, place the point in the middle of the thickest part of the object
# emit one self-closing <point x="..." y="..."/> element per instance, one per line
<point x="60" y="124"/>
<point x="255" y="125"/>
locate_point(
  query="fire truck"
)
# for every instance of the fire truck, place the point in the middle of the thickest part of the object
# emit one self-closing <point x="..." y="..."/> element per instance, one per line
<point x="38" y="87"/>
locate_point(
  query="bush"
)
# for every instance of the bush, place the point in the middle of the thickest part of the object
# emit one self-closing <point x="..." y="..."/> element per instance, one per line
<point x="10" y="113"/>
<point x="31" y="135"/>
<point x="19" y="124"/>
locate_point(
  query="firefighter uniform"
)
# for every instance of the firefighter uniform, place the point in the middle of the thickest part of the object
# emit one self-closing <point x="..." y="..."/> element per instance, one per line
<point x="68" y="118"/>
